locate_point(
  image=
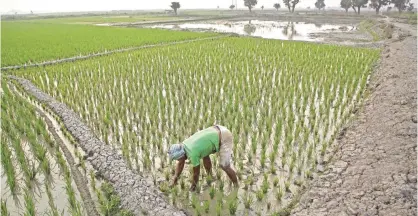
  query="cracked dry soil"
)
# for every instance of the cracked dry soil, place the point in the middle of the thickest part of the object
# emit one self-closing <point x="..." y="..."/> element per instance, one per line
<point x="374" y="171"/>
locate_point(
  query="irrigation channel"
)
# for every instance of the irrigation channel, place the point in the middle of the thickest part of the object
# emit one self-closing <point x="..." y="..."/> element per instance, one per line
<point x="137" y="193"/>
<point x="75" y="58"/>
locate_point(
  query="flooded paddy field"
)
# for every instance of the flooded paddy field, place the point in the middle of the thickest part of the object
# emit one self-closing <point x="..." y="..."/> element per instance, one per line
<point x="289" y="30"/>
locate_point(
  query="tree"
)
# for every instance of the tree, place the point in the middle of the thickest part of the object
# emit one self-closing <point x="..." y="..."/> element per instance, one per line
<point x="231" y="7"/>
<point x="175" y="6"/>
<point x="359" y="4"/>
<point x="291" y="4"/>
<point x="346" y="4"/>
<point x="277" y="6"/>
<point x="262" y="7"/>
<point x="320" y="4"/>
<point x="400" y="4"/>
<point x="287" y="3"/>
<point x="250" y="4"/>
<point x="410" y="7"/>
<point x="377" y="4"/>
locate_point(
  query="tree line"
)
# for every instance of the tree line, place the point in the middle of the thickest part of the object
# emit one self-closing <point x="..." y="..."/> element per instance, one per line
<point x="356" y="5"/>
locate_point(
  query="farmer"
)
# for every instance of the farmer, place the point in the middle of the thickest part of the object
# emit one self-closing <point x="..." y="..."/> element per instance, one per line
<point x="199" y="146"/>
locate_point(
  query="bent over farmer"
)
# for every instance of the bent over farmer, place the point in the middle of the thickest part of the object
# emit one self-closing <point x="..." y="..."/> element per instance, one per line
<point x="199" y="146"/>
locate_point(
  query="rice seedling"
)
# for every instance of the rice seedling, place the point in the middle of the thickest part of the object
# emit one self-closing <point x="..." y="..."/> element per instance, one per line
<point x="182" y="184"/>
<point x="53" y="208"/>
<point x="218" y="209"/>
<point x="209" y="180"/>
<point x="212" y="192"/>
<point x="4" y="210"/>
<point x="194" y="201"/>
<point x="206" y="206"/>
<point x="221" y="185"/>
<point x="279" y="194"/>
<point x="248" y="200"/>
<point x="8" y="167"/>
<point x="275" y="181"/>
<point x="109" y="201"/>
<point x="260" y="195"/>
<point x="232" y="206"/>
<point x="298" y="182"/>
<point x="29" y="204"/>
<point x="164" y="187"/>
<point x="287" y="186"/>
<point x="197" y="212"/>
<point x="265" y="185"/>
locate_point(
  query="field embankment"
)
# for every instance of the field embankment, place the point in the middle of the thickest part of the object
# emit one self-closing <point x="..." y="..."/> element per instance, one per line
<point x="374" y="171"/>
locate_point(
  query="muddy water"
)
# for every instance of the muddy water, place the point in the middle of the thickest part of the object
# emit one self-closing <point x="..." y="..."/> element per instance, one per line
<point x="265" y="29"/>
<point x="58" y="185"/>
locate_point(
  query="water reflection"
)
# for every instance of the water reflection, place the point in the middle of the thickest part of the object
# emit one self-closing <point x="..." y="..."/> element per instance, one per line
<point x="249" y="28"/>
<point x="266" y="29"/>
<point x="289" y="30"/>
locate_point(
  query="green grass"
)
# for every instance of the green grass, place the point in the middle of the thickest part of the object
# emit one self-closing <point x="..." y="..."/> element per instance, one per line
<point x="367" y="26"/>
<point x="26" y="42"/>
<point x="104" y="19"/>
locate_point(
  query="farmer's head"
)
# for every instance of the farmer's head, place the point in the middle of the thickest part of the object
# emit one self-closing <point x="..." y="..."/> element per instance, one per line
<point x="176" y="152"/>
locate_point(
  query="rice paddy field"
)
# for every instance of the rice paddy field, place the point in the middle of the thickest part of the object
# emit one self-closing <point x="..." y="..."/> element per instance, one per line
<point x="36" y="42"/>
<point x="285" y="102"/>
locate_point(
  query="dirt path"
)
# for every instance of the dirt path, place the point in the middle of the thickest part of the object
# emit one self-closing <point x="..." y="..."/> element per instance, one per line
<point x="76" y="58"/>
<point x="375" y="170"/>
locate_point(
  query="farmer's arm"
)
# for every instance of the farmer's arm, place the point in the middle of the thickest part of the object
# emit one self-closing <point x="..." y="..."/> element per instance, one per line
<point x="179" y="169"/>
<point x="196" y="172"/>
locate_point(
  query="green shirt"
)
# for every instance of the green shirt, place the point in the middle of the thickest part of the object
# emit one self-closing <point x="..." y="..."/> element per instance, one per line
<point x="201" y="144"/>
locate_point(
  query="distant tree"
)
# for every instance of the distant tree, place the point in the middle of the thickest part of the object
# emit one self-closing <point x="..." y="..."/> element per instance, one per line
<point x="175" y="6"/>
<point x="262" y="7"/>
<point x="277" y="6"/>
<point x="320" y="4"/>
<point x="291" y="4"/>
<point x="250" y="4"/>
<point x="358" y="4"/>
<point x="346" y="4"/>
<point x="231" y="7"/>
<point x="411" y="7"/>
<point x="218" y="7"/>
<point x="377" y="4"/>
<point x="388" y="9"/>
<point x="287" y="4"/>
<point x="400" y="4"/>
<point x="31" y="12"/>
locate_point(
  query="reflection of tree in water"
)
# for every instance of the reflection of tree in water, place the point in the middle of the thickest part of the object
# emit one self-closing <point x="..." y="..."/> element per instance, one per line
<point x="289" y="30"/>
<point x="249" y="28"/>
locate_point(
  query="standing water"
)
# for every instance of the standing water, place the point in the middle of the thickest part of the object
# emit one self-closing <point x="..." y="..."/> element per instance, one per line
<point x="266" y="29"/>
